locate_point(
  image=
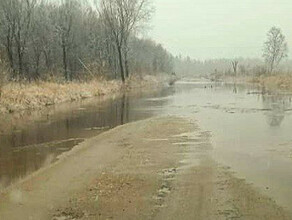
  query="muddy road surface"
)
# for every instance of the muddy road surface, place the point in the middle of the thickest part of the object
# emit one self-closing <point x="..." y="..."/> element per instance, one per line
<point x="159" y="168"/>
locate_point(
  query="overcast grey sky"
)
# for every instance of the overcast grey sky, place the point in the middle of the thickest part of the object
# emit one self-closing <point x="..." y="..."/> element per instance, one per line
<point x="219" y="28"/>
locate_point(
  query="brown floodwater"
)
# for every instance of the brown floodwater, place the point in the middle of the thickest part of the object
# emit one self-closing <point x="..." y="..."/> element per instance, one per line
<point x="31" y="140"/>
<point x="250" y="130"/>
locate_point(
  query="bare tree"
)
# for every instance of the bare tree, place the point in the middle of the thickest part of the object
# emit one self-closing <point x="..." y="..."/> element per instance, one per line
<point x="275" y="48"/>
<point x="242" y="69"/>
<point x="63" y="25"/>
<point x="39" y="39"/>
<point x="122" y="18"/>
<point x="234" y="66"/>
<point x="8" y="28"/>
<point x="148" y="56"/>
<point x="17" y="19"/>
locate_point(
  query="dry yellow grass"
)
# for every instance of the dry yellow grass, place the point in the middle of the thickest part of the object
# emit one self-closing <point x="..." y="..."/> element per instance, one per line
<point x="22" y="96"/>
<point x="283" y="82"/>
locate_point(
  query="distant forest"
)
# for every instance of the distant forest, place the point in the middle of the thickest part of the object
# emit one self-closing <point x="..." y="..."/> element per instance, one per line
<point x="275" y="53"/>
<point x="186" y="66"/>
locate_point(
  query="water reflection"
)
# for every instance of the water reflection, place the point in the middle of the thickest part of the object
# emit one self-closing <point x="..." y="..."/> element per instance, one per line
<point x="125" y="109"/>
<point x="24" y="149"/>
<point x="251" y="132"/>
<point x="276" y="106"/>
<point x="235" y="88"/>
<point x="18" y="162"/>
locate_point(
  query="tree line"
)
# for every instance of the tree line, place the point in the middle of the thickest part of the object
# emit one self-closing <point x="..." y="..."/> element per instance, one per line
<point x="274" y="52"/>
<point x="73" y="39"/>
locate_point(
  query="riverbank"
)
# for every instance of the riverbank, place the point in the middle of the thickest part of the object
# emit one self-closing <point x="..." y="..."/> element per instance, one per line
<point x="272" y="83"/>
<point x="158" y="168"/>
<point x="282" y="82"/>
<point x="25" y="96"/>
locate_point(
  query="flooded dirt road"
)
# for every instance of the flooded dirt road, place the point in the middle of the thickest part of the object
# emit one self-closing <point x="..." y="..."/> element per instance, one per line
<point x="251" y="131"/>
<point x="249" y="142"/>
<point x="158" y="168"/>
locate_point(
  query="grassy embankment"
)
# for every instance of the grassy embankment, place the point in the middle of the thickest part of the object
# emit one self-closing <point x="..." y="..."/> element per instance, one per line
<point x="22" y="96"/>
<point x="274" y="82"/>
